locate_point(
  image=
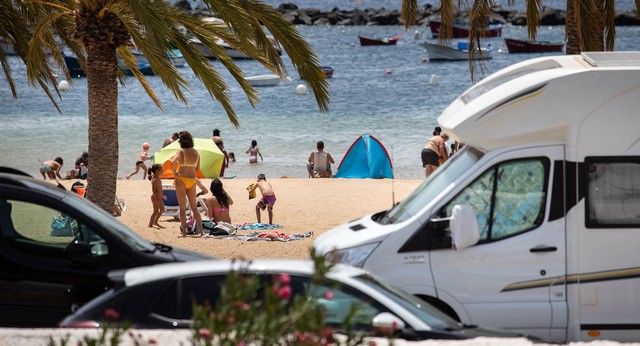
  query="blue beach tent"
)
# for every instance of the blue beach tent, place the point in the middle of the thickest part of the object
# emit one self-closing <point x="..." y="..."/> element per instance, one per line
<point x="366" y="158"/>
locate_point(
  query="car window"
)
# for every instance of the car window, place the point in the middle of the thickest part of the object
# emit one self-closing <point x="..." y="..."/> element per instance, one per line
<point x="509" y="198"/>
<point x="337" y="301"/>
<point x="45" y="231"/>
<point x="177" y="301"/>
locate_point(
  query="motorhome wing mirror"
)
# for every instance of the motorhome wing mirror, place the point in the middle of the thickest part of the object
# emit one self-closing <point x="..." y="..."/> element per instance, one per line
<point x="465" y="231"/>
<point x="386" y="323"/>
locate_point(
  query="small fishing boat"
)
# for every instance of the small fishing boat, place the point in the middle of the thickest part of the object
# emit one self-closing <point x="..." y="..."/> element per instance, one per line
<point x="439" y="52"/>
<point x="73" y="66"/>
<point x="328" y="71"/>
<point x="264" y="80"/>
<point x="388" y="41"/>
<point x="529" y="46"/>
<point x="461" y="29"/>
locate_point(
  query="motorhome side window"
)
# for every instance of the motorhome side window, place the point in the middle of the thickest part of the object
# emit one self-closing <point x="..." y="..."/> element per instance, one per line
<point x="613" y="192"/>
<point x="508" y="199"/>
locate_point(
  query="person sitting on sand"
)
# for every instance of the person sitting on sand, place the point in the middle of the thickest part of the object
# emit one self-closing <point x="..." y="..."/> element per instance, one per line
<point x="82" y="165"/>
<point x="319" y="165"/>
<point x="268" y="197"/>
<point x="142" y="157"/>
<point x="51" y="169"/>
<point x="219" y="142"/>
<point x="218" y="203"/>
<point x="253" y="152"/>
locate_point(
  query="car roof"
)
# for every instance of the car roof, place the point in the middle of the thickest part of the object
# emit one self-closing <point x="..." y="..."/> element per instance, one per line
<point x="15" y="178"/>
<point x="140" y="275"/>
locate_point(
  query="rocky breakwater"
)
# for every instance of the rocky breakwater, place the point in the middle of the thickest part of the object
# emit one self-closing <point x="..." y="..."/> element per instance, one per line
<point x="382" y="16"/>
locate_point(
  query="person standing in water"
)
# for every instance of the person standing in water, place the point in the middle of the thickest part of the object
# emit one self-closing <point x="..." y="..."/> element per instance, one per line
<point x="188" y="160"/>
<point x="253" y="152"/>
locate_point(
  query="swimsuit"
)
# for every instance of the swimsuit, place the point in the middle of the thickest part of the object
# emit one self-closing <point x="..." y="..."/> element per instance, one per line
<point x="429" y="157"/>
<point x="188" y="182"/>
<point x="253" y="155"/>
<point x="220" y="210"/>
<point x="269" y="200"/>
<point x="139" y="162"/>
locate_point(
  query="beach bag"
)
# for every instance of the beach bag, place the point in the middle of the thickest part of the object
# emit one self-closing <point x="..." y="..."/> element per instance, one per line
<point x="220" y="228"/>
<point x="63" y="226"/>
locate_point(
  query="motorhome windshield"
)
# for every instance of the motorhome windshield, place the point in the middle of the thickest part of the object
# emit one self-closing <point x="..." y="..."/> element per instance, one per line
<point x="438" y="181"/>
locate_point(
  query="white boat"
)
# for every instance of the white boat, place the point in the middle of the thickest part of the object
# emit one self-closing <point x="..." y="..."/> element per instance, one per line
<point x="263" y="80"/>
<point x="176" y="57"/>
<point x="439" y="52"/>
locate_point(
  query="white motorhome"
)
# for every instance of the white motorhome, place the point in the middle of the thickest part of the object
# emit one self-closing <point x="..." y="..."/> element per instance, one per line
<point x="551" y="172"/>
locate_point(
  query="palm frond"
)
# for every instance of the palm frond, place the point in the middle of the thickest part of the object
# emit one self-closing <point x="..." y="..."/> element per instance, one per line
<point x="409" y="12"/>
<point x="447" y="14"/>
<point x="638" y="7"/>
<point x="42" y="44"/>
<point x="479" y="16"/>
<point x="149" y="32"/>
<point x="610" y="24"/>
<point x="533" y="17"/>
<point x="302" y="56"/>
<point x="131" y="63"/>
<point x="6" y="68"/>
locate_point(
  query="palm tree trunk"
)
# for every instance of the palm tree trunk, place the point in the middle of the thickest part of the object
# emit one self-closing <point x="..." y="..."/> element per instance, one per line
<point x="103" y="125"/>
<point x="571" y="30"/>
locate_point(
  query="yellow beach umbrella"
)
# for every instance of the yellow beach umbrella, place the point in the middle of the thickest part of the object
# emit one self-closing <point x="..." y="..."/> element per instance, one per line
<point x="211" y="158"/>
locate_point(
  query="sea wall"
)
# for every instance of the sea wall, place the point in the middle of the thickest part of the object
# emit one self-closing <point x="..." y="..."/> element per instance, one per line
<point x="382" y="16"/>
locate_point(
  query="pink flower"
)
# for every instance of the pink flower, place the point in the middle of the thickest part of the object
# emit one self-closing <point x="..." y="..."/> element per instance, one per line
<point x="231" y="320"/>
<point x="284" y="279"/>
<point x="204" y="333"/>
<point x="241" y="343"/>
<point x="111" y="314"/>
<point x="284" y="292"/>
<point x="328" y="295"/>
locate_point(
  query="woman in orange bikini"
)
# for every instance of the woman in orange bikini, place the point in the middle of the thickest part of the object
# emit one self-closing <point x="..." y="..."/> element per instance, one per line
<point x="188" y="161"/>
<point x="218" y="203"/>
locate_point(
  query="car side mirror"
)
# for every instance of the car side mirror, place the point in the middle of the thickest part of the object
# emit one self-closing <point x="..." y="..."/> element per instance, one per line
<point x="465" y="230"/>
<point x="79" y="253"/>
<point x="386" y="323"/>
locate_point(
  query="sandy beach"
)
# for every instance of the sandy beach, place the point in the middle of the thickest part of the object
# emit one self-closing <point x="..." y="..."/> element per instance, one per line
<point x="303" y="205"/>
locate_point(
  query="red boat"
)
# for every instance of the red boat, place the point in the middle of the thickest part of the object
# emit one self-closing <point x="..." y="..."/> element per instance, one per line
<point x="389" y="41"/>
<point x="461" y="30"/>
<point x="528" y="46"/>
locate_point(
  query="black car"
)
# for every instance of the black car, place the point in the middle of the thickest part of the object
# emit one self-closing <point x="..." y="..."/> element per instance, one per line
<point x="162" y="296"/>
<point x="57" y="248"/>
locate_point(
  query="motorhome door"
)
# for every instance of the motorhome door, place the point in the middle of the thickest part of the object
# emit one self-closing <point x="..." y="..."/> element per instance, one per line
<point x="512" y="278"/>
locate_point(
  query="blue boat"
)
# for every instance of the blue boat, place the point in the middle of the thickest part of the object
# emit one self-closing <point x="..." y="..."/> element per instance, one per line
<point x="75" y="70"/>
<point x="366" y="158"/>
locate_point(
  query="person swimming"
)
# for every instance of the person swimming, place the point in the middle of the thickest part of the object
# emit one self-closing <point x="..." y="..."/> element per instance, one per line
<point x="187" y="161"/>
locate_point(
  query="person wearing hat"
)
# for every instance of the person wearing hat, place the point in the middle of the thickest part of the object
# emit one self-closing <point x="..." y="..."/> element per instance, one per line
<point x="142" y="157"/>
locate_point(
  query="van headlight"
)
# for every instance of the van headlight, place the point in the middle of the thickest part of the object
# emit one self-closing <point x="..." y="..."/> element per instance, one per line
<point x="355" y="256"/>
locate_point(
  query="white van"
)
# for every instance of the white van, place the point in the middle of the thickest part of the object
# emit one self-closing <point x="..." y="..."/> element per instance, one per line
<point x="551" y="170"/>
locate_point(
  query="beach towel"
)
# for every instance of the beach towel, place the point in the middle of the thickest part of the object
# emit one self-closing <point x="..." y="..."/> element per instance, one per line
<point x="270" y="236"/>
<point x="257" y="226"/>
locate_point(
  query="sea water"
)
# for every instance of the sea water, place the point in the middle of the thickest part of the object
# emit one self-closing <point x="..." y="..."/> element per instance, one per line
<point x="400" y="108"/>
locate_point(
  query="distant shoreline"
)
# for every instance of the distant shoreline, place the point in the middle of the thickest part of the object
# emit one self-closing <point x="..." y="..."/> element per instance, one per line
<point x="381" y="16"/>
